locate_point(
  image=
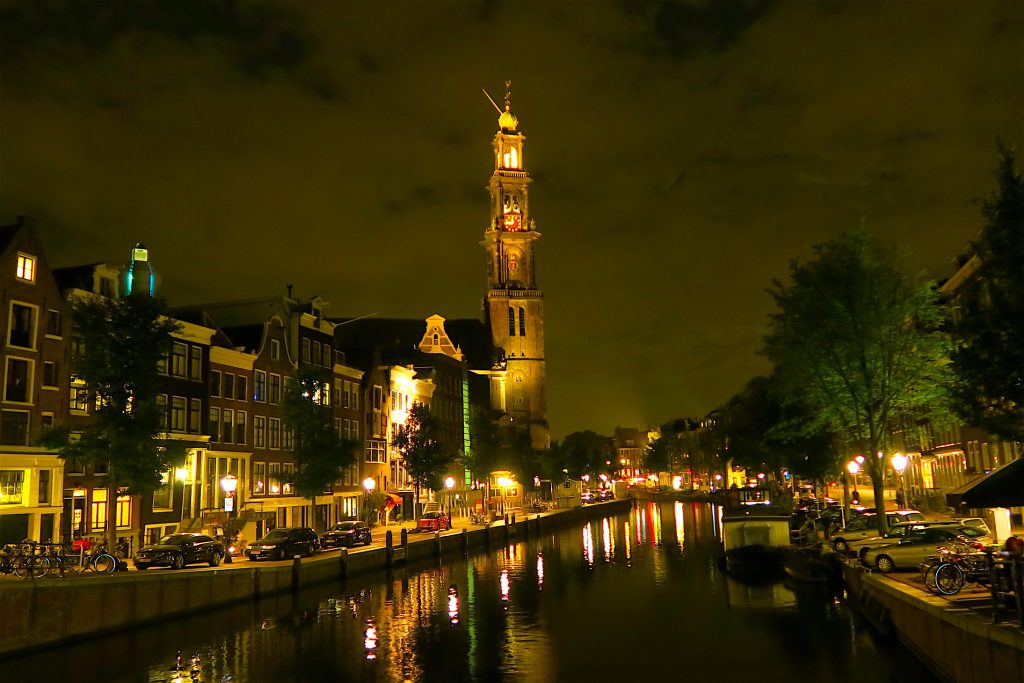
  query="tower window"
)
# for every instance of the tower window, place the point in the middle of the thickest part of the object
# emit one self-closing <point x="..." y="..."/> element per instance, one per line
<point x="522" y="321"/>
<point x="514" y="158"/>
<point x="511" y="321"/>
<point x="437" y="340"/>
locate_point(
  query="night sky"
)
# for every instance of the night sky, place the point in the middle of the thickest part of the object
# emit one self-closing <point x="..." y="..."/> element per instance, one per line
<point x="682" y="153"/>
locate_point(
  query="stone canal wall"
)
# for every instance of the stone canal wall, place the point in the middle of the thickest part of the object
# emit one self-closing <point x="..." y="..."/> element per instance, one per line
<point x="43" y="613"/>
<point x="959" y="645"/>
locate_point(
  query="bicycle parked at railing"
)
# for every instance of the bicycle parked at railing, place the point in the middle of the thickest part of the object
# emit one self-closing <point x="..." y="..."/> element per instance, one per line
<point x="476" y="518"/>
<point x="954" y="566"/>
<point x="25" y="560"/>
<point x="86" y="557"/>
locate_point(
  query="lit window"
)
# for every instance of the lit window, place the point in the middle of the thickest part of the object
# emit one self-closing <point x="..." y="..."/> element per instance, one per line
<point x="26" y="268"/>
<point x="514" y="158"/>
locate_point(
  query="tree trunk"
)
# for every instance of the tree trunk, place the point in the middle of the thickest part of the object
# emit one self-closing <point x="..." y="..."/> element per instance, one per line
<point x="416" y="510"/>
<point x="878" y="484"/>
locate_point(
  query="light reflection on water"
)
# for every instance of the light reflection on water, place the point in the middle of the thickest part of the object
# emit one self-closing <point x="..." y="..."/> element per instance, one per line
<point x="631" y="597"/>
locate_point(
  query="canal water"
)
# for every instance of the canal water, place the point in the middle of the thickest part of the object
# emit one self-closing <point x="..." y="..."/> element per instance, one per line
<point x="631" y="597"/>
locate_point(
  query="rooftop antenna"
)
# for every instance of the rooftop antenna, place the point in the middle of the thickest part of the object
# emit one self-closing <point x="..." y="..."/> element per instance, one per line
<point x="491" y="100"/>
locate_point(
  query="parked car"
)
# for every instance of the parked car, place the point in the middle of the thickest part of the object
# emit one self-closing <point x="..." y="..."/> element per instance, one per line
<point x="897" y="532"/>
<point x="588" y="496"/>
<point x="918" y="545"/>
<point x="283" y="543"/>
<point x="976" y="522"/>
<point x="178" y="550"/>
<point x="866" y="526"/>
<point x="434" y="521"/>
<point x="347" y="534"/>
<point x="605" y="494"/>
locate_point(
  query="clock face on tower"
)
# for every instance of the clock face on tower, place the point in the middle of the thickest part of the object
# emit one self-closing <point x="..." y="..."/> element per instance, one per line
<point x="512" y="219"/>
<point x="513" y="222"/>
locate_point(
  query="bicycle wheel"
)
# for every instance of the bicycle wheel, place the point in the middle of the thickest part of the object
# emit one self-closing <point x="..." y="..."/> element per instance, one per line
<point x="104" y="563"/>
<point x="34" y="566"/>
<point x="928" y="572"/>
<point x="949" y="579"/>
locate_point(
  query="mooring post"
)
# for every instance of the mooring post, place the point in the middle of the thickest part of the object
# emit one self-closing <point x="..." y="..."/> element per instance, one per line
<point x="389" y="549"/>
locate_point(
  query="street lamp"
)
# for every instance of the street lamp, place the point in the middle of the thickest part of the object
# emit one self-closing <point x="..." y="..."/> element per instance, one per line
<point x="899" y="463"/>
<point x="449" y="484"/>
<point x="229" y="483"/>
<point x="368" y="485"/>
<point x="503" y="483"/>
<point x="181" y="474"/>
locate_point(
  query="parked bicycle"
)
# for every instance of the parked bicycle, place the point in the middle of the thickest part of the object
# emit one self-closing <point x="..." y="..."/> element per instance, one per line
<point x="476" y="517"/>
<point x="954" y="566"/>
<point x="24" y="560"/>
<point x="83" y="557"/>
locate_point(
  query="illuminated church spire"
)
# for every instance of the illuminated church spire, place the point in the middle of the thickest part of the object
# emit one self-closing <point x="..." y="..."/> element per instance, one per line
<point x="514" y="303"/>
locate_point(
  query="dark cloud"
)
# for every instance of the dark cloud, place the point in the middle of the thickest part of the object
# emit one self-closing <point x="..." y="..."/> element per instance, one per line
<point x="257" y="39"/>
<point x="681" y="153"/>
<point x="686" y="27"/>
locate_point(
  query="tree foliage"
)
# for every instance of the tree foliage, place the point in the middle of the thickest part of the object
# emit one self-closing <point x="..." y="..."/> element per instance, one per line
<point x="989" y="358"/>
<point x="748" y="420"/>
<point x="585" y="452"/>
<point x="320" y="452"/>
<point x="672" y="450"/>
<point x="485" y="443"/>
<point x="859" y="343"/>
<point x="418" y="440"/>
<point x="119" y="345"/>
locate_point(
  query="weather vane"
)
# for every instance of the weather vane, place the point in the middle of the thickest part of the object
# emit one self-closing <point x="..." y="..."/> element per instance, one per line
<point x="508" y="98"/>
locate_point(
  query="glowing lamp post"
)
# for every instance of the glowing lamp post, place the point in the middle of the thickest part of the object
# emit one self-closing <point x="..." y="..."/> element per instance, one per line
<point x="503" y="483"/>
<point x="899" y="464"/>
<point x="369" y="484"/>
<point x="449" y="484"/>
<point x="229" y="483"/>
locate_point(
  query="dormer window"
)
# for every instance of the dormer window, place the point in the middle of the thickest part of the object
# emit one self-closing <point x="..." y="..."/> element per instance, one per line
<point x="26" y="270"/>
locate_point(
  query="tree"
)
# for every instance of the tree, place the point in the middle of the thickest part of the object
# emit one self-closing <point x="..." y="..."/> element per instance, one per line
<point x="320" y="452"/>
<point x="485" y="444"/>
<point x="989" y="357"/>
<point x="586" y="453"/>
<point x="747" y="420"/>
<point x="671" y="450"/>
<point x="419" y="443"/>
<point x="859" y="343"/>
<point x="119" y="344"/>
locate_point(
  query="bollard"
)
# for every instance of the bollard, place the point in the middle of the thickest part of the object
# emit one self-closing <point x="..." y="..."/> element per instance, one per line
<point x="437" y="543"/>
<point x="296" y="573"/>
<point x="465" y="540"/>
<point x="343" y="569"/>
<point x="389" y="549"/>
<point x="405" y="542"/>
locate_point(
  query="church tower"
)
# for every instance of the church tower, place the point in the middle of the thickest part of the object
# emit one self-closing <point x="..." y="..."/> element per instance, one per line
<point x="514" y="304"/>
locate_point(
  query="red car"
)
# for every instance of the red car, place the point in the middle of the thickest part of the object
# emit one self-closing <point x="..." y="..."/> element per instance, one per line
<point x="434" y="521"/>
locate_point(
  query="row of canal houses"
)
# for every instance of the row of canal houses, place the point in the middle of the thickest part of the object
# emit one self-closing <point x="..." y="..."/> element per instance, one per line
<point x="225" y="378"/>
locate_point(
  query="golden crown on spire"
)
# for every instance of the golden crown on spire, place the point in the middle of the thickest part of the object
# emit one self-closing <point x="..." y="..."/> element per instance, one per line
<point x="507" y="120"/>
